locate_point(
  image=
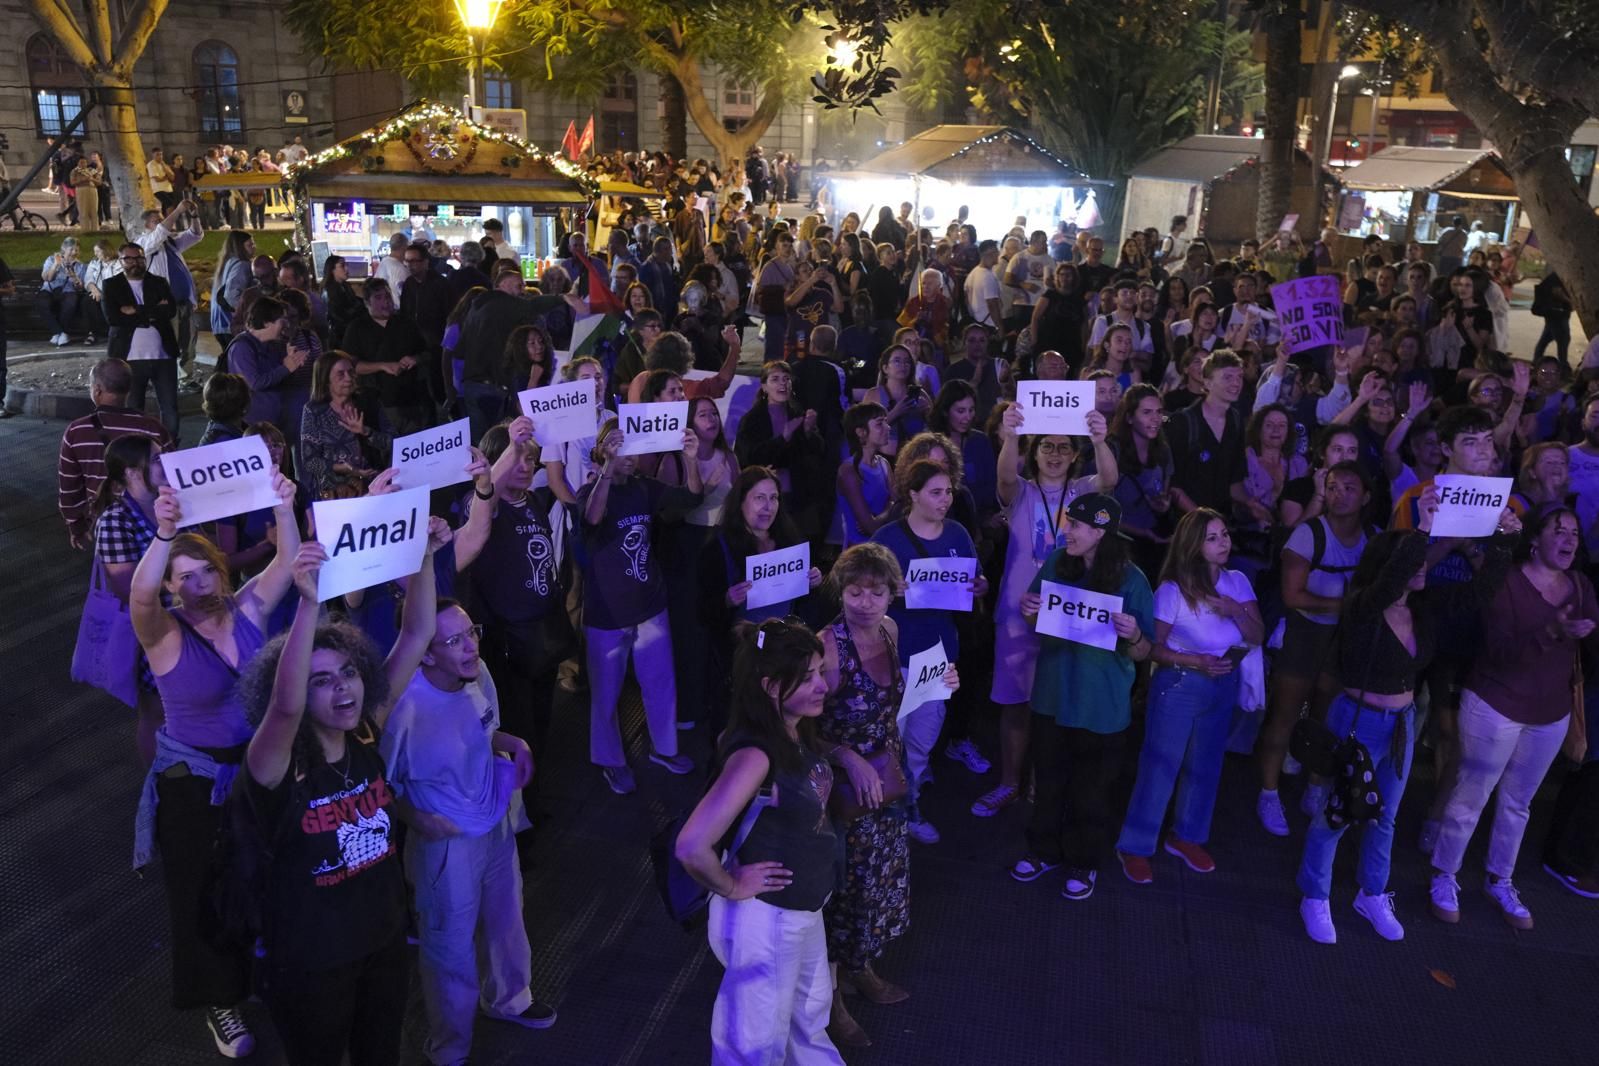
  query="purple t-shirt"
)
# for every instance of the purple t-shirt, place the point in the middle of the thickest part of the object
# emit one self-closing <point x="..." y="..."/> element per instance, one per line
<point x="624" y="582"/>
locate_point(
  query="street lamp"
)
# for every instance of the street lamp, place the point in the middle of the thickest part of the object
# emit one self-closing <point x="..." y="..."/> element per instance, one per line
<point x="478" y="17"/>
<point x="1350" y="71"/>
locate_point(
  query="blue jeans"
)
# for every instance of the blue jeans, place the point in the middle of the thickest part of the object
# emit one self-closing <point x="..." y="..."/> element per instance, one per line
<point x="1185" y="729"/>
<point x="1375" y="729"/>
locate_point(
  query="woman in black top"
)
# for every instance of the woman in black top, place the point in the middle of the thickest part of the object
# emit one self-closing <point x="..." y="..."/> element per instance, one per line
<point x="780" y="434"/>
<point x="767" y="896"/>
<point x="313" y="781"/>
<point x="1058" y="318"/>
<point x="344" y="306"/>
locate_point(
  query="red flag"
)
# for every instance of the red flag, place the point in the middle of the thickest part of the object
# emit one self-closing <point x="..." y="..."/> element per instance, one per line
<point x="602" y="300"/>
<point x="569" y="142"/>
<point x="586" y="142"/>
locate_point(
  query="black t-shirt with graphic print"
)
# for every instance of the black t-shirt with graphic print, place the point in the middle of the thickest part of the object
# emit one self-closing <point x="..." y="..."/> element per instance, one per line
<point x="516" y="577"/>
<point x="623" y="580"/>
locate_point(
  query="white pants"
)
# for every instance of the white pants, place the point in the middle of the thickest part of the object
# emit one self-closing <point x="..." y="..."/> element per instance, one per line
<point x="775" y="999"/>
<point x="1494" y="751"/>
<point x="474" y="945"/>
<point x="919" y="729"/>
<point x="650" y="644"/>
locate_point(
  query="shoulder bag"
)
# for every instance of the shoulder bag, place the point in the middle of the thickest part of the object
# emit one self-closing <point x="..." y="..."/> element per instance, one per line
<point x="107" y="652"/>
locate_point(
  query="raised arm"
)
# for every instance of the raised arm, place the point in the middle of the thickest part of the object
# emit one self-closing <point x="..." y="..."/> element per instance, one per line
<point x="272" y="747"/>
<point x="600" y="493"/>
<point x="1107" y="472"/>
<point x="1009" y="460"/>
<point x="418" y="620"/>
<point x="158" y="634"/>
<point x="474" y="532"/>
<point x="261" y="596"/>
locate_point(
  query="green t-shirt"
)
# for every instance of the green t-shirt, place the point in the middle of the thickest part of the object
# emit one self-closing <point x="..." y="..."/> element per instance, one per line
<point x="1082" y="686"/>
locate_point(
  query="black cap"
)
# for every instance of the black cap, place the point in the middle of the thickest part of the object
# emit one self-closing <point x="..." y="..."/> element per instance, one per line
<point x="1097" y="510"/>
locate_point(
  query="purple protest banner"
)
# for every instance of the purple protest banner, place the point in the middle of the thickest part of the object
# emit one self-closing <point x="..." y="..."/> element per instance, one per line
<point x="1310" y="312"/>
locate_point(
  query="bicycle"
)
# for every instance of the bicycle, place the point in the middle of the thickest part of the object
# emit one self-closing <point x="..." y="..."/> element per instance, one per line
<point x="21" y="220"/>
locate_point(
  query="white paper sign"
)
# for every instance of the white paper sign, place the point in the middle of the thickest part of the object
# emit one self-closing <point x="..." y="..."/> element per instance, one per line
<point x="1310" y="312"/>
<point x="1079" y="615"/>
<point x="434" y="458"/>
<point x="221" y="480"/>
<point x="1055" y="407"/>
<point x="776" y="576"/>
<point x="652" y="427"/>
<point x="924" y="679"/>
<point x="1469" y="506"/>
<point x="370" y="540"/>
<point x="560" y="412"/>
<point x="940" y="584"/>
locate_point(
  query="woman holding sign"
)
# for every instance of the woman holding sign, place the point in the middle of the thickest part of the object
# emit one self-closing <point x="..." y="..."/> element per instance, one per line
<point x="196" y="649"/>
<point x="1205" y="618"/>
<point x="1082" y="690"/>
<point x="924" y="535"/>
<point x="1036" y="518"/>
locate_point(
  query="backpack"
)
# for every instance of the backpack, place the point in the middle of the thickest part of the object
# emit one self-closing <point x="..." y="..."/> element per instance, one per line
<point x="1273" y="609"/>
<point x="686" y="899"/>
<point x="233" y="891"/>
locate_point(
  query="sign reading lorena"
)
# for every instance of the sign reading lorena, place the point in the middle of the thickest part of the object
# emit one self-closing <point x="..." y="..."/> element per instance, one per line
<point x="370" y="540"/>
<point x="434" y="458"/>
<point x="940" y="584"/>
<point x="1079" y="615"/>
<point x="1469" y="506"/>
<point x="221" y="480"/>
<point x="1310" y="312"/>
<point x="1055" y="407"/>
<point x="652" y="427"/>
<point x="560" y="412"/>
<point x="924" y="679"/>
<point x="778" y="576"/>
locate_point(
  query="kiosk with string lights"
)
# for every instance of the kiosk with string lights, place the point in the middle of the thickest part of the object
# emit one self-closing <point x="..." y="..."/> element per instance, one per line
<point x="432" y="173"/>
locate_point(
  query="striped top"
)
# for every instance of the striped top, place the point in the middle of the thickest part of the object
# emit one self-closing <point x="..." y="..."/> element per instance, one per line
<point x="81" y="466"/>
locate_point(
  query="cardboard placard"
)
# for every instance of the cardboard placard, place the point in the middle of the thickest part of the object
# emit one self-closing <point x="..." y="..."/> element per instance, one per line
<point x="434" y="458"/>
<point x="924" y="679"/>
<point x="1469" y="506"/>
<point x="652" y="427"/>
<point x="221" y="480"/>
<point x="1055" y="407"/>
<point x="942" y="584"/>
<point x="1078" y="615"/>
<point x="370" y="540"/>
<point x="560" y="412"/>
<point x="778" y="576"/>
<point x="1310" y="312"/>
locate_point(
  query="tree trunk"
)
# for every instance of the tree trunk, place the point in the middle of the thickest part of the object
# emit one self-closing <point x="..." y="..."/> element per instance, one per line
<point x="1323" y="75"/>
<point x="674" y="124"/>
<point x="731" y="148"/>
<point x="1282" y="119"/>
<point x="1568" y="229"/>
<point x="124" y="153"/>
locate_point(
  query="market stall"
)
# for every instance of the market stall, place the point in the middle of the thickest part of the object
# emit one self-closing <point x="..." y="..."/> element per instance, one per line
<point x="1215" y="182"/>
<point x="997" y="173"/>
<point x="1404" y="193"/>
<point x="431" y="173"/>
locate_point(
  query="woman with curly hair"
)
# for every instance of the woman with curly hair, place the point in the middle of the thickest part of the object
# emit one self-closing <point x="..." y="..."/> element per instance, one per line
<point x="313" y="781"/>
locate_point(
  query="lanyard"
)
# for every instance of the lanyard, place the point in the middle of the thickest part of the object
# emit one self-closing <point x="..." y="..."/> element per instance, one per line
<point x="1052" y="519"/>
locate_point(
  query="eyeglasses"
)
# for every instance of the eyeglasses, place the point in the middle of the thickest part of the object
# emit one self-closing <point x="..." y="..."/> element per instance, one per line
<point x="476" y="633"/>
<point x="132" y="258"/>
<point x="1052" y="448"/>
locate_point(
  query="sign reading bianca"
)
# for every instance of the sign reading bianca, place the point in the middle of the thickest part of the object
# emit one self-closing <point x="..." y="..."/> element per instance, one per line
<point x="940" y="584"/>
<point x="652" y="427"/>
<point x="924" y="679"/>
<point x="1469" y="506"/>
<point x="778" y="576"/>
<point x="434" y="458"/>
<point x="370" y="540"/>
<point x="221" y="480"/>
<point x="1079" y="615"/>
<point x="560" y="412"/>
<point x="1055" y="407"/>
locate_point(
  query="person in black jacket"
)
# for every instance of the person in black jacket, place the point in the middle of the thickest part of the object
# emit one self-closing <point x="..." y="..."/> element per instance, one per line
<point x="139" y="307"/>
<point x="781" y="434"/>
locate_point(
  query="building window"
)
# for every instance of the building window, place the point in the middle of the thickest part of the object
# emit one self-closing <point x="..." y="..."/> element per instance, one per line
<point x="56" y="85"/>
<point x="498" y="90"/>
<point x="736" y="95"/>
<point x="621" y="89"/>
<point x="618" y="131"/>
<point x="734" y="123"/>
<point x="216" y="76"/>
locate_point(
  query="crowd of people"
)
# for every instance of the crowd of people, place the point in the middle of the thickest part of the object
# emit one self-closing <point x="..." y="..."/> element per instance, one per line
<point x="1262" y="520"/>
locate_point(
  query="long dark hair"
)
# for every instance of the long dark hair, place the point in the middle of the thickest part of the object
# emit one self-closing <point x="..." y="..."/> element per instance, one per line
<point x="775" y="650"/>
<point x="1121" y="431"/>
<point x="952" y="393"/>
<point x="515" y="361"/>
<point x="126" y="453"/>
<point x="1373" y="559"/>
<point x="736" y="532"/>
<point x="1105" y="575"/>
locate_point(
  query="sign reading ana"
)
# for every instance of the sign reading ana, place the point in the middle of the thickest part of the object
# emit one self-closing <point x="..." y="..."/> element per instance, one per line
<point x="560" y="412"/>
<point x="370" y="540"/>
<point x="221" y="480"/>
<point x="940" y="584"/>
<point x="1079" y="615"/>
<point x="778" y="576"/>
<point x="924" y="679"/>
<point x="434" y="458"/>
<point x="652" y="427"/>
<point x="1310" y="312"/>
<point x="1055" y="407"/>
<point x="1469" y="506"/>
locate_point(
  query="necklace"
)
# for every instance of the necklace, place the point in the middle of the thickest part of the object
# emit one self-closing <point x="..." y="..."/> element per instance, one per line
<point x="345" y="772"/>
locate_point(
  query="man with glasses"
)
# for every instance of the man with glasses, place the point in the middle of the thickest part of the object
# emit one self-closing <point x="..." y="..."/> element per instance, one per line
<point x="140" y="307"/>
<point x="460" y="779"/>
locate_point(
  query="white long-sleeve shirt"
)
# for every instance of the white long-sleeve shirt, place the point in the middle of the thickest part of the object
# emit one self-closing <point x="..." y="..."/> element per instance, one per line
<point x="1327" y="407"/>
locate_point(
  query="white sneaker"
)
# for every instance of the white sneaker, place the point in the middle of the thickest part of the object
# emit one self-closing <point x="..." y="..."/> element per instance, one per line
<point x="1428" y="838"/>
<point x="1445" y="895"/>
<point x="1317" y="916"/>
<point x="922" y="832"/>
<point x="59" y="339"/>
<point x="1379" y="911"/>
<point x="1505" y="895"/>
<point x="1314" y="801"/>
<point x="1270" y="809"/>
<point x="966" y="753"/>
<point x="232" y="1037"/>
<point x="1291" y="766"/>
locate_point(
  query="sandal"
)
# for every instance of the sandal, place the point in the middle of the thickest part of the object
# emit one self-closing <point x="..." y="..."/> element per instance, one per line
<point x="1030" y="868"/>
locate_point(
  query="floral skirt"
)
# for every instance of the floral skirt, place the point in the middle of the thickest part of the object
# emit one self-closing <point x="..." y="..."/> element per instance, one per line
<point x="873" y="908"/>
